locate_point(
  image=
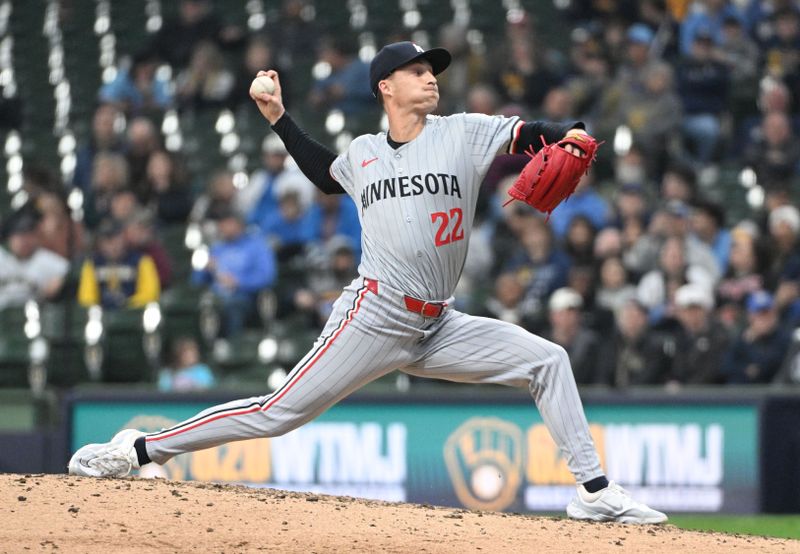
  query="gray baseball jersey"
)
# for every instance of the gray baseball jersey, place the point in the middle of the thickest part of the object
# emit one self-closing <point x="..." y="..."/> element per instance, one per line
<point x="416" y="205"/>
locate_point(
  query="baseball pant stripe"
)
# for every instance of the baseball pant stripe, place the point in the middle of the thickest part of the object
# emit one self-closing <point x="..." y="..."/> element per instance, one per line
<point x="278" y="394"/>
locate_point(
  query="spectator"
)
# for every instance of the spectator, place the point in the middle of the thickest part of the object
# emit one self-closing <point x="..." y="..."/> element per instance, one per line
<point x="745" y="275"/>
<point x="703" y="88"/>
<point x="482" y="98"/>
<point x="585" y="201"/>
<point x="523" y="75"/>
<point x="507" y="302"/>
<point x="291" y="229"/>
<point x="463" y="73"/>
<point x="784" y="274"/>
<point x="782" y="50"/>
<point x="628" y="78"/>
<point x="109" y="176"/>
<point x="168" y="188"/>
<point x="123" y="205"/>
<point x="60" y="233"/>
<point x="105" y="137"/>
<point x="740" y="54"/>
<point x="27" y="270"/>
<point x="775" y="154"/>
<point x="206" y="83"/>
<point x="608" y="244"/>
<point x="138" y="90"/>
<point x="637" y="355"/>
<point x="220" y="195"/>
<point x="240" y="265"/>
<point x="614" y="287"/>
<point x="579" y="241"/>
<point x="346" y="88"/>
<point x="758" y="352"/>
<point x="140" y="233"/>
<point x="185" y="370"/>
<point x="707" y="223"/>
<point x="631" y="169"/>
<point x="702" y="342"/>
<point x="335" y="215"/>
<point x="258" y="199"/>
<point x="195" y="22"/>
<point x="679" y="182"/>
<point x="657" y="288"/>
<point x="116" y="277"/>
<point x="539" y="265"/>
<point x="338" y="267"/>
<point x="653" y="114"/>
<point x="773" y="96"/>
<point x="558" y="105"/>
<point x="630" y="203"/>
<point x="259" y="55"/>
<point x="583" y="278"/>
<point x="671" y="220"/>
<point x="294" y="34"/>
<point x="143" y="139"/>
<point x="706" y="18"/>
<point x="582" y="344"/>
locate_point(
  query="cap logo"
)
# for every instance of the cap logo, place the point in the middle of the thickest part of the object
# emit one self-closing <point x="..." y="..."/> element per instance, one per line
<point x="418" y="48"/>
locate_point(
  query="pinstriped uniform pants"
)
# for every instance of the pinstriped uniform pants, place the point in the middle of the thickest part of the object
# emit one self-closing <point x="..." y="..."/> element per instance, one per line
<point x="369" y="334"/>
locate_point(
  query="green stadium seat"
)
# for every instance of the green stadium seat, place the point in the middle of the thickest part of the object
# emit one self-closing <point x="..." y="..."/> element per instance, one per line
<point x="14" y="361"/>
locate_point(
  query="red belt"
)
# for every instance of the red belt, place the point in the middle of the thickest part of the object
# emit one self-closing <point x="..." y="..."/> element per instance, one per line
<point x="424" y="307"/>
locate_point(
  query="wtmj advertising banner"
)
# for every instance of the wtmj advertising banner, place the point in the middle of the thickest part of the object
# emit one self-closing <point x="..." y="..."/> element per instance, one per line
<point x="676" y="457"/>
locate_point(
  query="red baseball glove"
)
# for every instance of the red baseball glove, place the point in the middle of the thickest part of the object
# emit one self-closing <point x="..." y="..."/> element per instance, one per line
<point x="552" y="173"/>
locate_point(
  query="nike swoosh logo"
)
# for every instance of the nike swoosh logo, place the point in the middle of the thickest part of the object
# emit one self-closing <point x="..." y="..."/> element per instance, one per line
<point x="616" y="507"/>
<point x="365" y="163"/>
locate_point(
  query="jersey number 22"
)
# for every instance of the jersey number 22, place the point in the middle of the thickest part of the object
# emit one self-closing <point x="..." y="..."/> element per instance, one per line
<point x="444" y="235"/>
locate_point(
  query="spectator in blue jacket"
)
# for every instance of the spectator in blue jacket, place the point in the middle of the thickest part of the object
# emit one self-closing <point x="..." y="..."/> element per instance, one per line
<point x="138" y="90"/>
<point x="707" y="16"/>
<point x="335" y="215"/>
<point x="290" y="229"/>
<point x="240" y="265"/>
<point x="757" y="354"/>
<point x="258" y="200"/>
<point x="345" y="88"/>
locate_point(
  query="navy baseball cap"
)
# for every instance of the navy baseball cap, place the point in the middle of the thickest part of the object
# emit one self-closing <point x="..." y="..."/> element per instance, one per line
<point x="398" y="54"/>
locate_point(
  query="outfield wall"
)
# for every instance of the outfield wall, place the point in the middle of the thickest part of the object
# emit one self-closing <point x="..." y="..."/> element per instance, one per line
<point x="712" y="451"/>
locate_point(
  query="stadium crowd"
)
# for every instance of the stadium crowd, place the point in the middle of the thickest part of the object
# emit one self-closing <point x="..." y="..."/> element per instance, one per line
<point x="645" y="275"/>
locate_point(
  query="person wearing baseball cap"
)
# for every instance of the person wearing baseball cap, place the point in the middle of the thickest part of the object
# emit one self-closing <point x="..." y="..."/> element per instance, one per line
<point x="702" y="341"/>
<point x="758" y="353"/>
<point x="415" y="187"/>
<point x="396" y="55"/>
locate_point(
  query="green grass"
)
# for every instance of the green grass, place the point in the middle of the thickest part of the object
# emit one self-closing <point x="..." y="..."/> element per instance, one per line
<point x="784" y="526"/>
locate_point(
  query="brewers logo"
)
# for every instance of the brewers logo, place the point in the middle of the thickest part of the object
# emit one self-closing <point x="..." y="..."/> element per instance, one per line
<point x="484" y="460"/>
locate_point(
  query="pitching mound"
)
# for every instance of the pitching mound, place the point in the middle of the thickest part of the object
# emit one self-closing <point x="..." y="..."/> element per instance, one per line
<point x="48" y="512"/>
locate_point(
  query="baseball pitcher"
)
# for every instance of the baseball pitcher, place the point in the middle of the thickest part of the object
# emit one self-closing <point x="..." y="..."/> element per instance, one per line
<point x="416" y="187"/>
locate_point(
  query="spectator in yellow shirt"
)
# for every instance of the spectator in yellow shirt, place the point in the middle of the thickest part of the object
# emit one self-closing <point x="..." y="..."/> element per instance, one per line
<point x="115" y="277"/>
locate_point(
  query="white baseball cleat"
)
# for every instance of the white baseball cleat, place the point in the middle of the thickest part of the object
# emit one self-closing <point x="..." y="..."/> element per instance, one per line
<point x="613" y="503"/>
<point x="111" y="459"/>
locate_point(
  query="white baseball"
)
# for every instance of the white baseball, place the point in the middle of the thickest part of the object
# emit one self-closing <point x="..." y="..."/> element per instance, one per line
<point x="262" y="84"/>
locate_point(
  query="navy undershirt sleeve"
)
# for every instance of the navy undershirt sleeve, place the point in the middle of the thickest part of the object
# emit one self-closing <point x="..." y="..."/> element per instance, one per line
<point x="313" y="158"/>
<point x="532" y="132"/>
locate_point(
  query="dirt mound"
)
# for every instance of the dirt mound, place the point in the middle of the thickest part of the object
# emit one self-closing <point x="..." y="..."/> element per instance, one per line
<point x="70" y="514"/>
